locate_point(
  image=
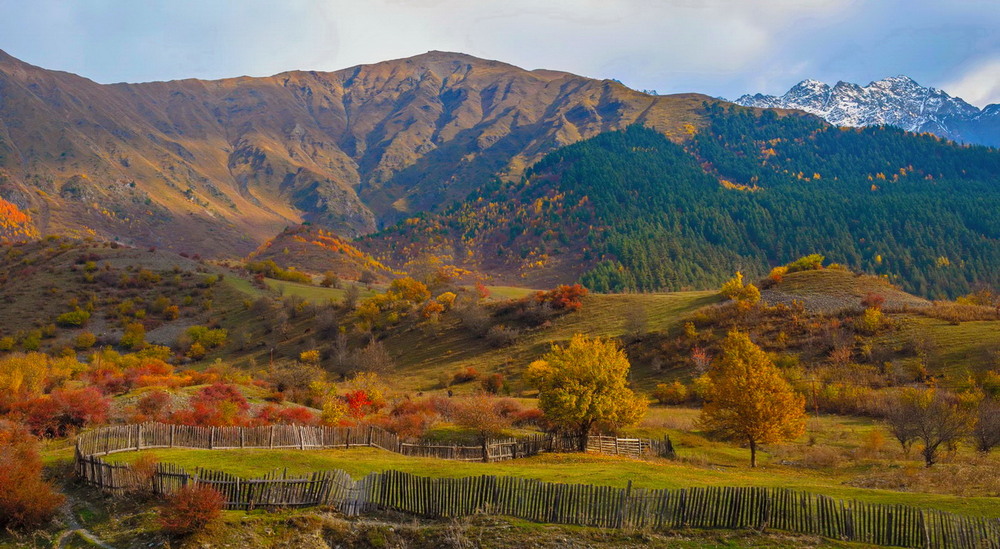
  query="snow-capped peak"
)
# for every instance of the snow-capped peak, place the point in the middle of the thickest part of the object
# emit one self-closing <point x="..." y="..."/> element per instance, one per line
<point x="895" y="100"/>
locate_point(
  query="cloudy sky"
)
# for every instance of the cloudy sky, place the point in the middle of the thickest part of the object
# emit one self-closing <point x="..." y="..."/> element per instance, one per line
<point x="719" y="47"/>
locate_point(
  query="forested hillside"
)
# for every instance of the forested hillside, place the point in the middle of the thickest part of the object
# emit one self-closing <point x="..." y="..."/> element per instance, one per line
<point x="631" y="210"/>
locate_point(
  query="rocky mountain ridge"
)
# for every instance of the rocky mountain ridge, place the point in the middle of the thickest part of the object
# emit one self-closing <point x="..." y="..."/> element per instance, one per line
<point x="218" y="167"/>
<point x="895" y="101"/>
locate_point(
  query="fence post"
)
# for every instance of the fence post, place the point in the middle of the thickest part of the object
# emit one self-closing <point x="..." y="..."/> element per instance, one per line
<point x="302" y="444"/>
<point x="211" y="438"/>
<point x="172" y="429"/>
<point x="371" y="433"/>
<point x="623" y="507"/>
<point x="138" y="437"/>
<point x="242" y="441"/>
<point x="270" y="438"/>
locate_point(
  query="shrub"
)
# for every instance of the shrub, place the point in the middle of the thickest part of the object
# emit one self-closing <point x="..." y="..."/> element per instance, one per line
<point x="359" y="403"/>
<point x="492" y="383"/>
<point x="873" y="301"/>
<point x="153" y="406"/>
<point x="671" y="393"/>
<point x="191" y="509"/>
<point x="26" y="500"/>
<point x="778" y="274"/>
<point x="465" y="375"/>
<point x="565" y="297"/>
<point x="84" y="341"/>
<point x="7" y="343"/>
<point x="529" y="417"/>
<point x="871" y="321"/>
<point x="171" y="312"/>
<point x="208" y="338"/>
<point x="502" y="336"/>
<point x="66" y="410"/>
<point x="73" y="319"/>
<point x="808" y="263"/>
<point x="219" y="404"/>
<point x="197" y="351"/>
<point x="134" y="337"/>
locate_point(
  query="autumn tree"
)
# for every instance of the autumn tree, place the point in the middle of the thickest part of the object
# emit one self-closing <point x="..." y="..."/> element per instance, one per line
<point x="748" y="400"/>
<point x="584" y="383"/>
<point x="986" y="433"/>
<point x="482" y="413"/>
<point x="932" y="417"/>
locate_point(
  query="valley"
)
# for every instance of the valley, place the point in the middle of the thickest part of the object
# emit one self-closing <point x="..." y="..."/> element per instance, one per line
<point x="457" y="255"/>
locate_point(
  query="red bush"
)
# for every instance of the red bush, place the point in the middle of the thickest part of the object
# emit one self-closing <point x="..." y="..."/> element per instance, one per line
<point x="190" y="509"/>
<point x="221" y="392"/>
<point x="25" y="499"/>
<point x="492" y="383"/>
<point x="109" y="380"/>
<point x="465" y="375"/>
<point x="296" y="415"/>
<point x="563" y="297"/>
<point x="358" y="403"/>
<point x="408" y="426"/>
<point x="531" y="416"/>
<point x="153" y="406"/>
<point x="292" y="415"/>
<point x="219" y="404"/>
<point x="873" y="301"/>
<point x="66" y="410"/>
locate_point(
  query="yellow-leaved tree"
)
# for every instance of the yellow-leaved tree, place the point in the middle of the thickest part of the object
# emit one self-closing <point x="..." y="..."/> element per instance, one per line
<point x="748" y="400"/>
<point x="584" y="383"/>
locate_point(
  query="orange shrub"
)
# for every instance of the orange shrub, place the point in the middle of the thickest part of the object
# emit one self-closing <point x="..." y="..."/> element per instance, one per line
<point x="465" y="375"/>
<point x="191" y="509"/>
<point x="66" y="410"/>
<point x="25" y="499"/>
<point x="563" y="297"/>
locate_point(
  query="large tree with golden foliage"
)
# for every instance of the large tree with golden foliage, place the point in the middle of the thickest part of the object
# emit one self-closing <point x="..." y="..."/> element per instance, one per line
<point x="584" y="383"/>
<point x="747" y="398"/>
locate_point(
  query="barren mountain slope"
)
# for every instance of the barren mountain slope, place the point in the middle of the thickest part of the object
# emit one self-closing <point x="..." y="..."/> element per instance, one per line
<point x="219" y="166"/>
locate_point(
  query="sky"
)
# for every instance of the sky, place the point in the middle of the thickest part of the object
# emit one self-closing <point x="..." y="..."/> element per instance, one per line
<point x="722" y="48"/>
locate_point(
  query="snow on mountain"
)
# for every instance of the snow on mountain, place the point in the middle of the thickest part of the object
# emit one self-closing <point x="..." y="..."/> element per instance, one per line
<point x="894" y="101"/>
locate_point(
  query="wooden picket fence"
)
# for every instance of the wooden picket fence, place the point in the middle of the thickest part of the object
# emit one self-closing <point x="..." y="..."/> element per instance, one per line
<point x="578" y="504"/>
<point x="123" y="438"/>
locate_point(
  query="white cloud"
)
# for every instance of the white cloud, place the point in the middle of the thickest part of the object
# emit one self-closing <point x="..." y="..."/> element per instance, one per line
<point x="979" y="85"/>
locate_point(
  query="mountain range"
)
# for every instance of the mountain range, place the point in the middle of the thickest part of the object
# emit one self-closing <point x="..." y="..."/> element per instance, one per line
<point x="896" y="101"/>
<point x="528" y="177"/>
<point x="217" y="167"/>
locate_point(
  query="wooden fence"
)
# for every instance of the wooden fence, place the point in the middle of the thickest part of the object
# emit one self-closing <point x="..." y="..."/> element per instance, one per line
<point x="123" y="438"/>
<point x="585" y="505"/>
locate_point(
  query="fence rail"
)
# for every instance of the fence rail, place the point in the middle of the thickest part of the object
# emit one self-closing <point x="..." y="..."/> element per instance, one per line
<point x="123" y="438"/>
<point x="578" y="504"/>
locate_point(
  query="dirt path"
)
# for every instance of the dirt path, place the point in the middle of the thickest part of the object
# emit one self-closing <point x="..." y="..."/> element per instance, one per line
<point x="76" y="528"/>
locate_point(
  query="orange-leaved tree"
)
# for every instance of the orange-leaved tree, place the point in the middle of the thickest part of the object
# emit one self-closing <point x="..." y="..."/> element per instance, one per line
<point x="584" y="383"/>
<point x="748" y="400"/>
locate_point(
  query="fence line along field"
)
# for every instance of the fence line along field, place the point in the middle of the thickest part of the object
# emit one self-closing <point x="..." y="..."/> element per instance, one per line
<point x="577" y="504"/>
<point x="121" y="438"/>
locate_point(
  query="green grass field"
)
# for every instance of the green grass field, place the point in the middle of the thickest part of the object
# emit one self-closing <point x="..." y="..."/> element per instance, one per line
<point x="313" y="294"/>
<point x="834" y="457"/>
<point x="564" y="468"/>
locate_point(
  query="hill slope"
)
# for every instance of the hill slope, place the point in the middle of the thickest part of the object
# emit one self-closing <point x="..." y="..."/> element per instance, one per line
<point x="220" y="166"/>
<point x="633" y="211"/>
